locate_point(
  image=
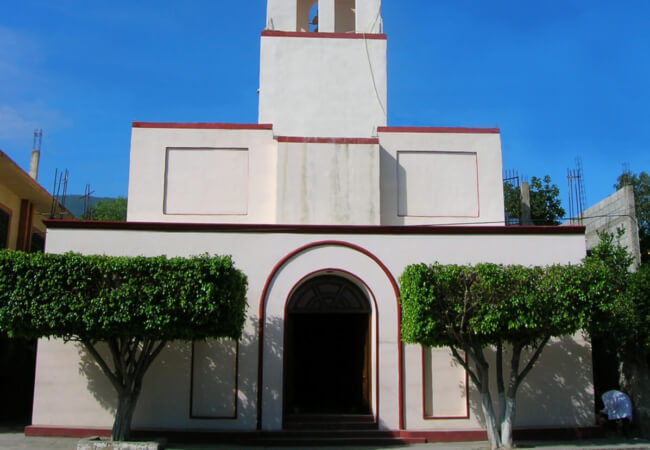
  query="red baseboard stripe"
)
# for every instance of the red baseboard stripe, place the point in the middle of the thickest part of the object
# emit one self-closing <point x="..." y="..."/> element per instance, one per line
<point x="547" y="434"/>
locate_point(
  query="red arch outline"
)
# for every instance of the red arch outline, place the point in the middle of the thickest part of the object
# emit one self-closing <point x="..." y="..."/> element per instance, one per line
<point x="262" y="319"/>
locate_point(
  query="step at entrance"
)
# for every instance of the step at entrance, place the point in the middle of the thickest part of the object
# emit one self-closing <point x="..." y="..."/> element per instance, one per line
<point x="331" y="422"/>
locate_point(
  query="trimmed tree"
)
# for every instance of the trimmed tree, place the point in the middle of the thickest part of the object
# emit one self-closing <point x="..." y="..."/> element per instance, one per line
<point x="133" y="305"/>
<point x="474" y="309"/>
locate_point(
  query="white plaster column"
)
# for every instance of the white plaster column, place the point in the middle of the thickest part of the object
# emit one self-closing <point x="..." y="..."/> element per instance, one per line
<point x="326" y="16"/>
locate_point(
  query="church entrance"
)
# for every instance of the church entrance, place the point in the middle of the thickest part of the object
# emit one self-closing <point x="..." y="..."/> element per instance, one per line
<point x="327" y="351"/>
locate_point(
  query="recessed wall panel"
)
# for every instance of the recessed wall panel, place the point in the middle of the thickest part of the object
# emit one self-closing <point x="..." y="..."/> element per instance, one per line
<point x="445" y="385"/>
<point x="206" y="181"/>
<point x="214" y="379"/>
<point x="437" y="184"/>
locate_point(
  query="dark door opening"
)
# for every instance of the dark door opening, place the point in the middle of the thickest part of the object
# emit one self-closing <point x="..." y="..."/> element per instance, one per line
<point x="327" y="350"/>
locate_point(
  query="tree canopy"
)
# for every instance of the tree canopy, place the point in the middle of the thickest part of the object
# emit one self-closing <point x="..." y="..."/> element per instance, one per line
<point x="109" y="210"/>
<point x="641" y="186"/>
<point x="133" y="304"/>
<point x="545" y="205"/>
<point x="471" y="308"/>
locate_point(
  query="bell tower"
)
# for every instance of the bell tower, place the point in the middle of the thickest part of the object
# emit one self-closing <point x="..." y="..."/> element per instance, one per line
<point x="323" y="68"/>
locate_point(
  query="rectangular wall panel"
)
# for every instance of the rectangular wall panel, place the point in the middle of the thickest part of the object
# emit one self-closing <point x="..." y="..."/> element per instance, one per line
<point x="214" y="379"/>
<point x="437" y="184"/>
<point x="445" y="385"/>
<point x="206" y="181"/>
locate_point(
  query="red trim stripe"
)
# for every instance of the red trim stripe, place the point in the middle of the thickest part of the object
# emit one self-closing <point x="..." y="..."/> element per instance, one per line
<point x="326" y="140"/>
<point x="203" y="126"/>
<point x="314" y="229"/>
<point x="236" y="437"/>
<point x="462" y="130"/>
<point x="306" y="34"/>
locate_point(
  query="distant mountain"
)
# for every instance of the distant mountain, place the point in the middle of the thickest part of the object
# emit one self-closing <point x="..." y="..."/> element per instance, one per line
<point x="75" y="203"/>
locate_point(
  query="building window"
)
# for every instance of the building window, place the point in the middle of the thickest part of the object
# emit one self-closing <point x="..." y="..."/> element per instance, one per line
<point x="38" y="241"/>
<point x="4" y="228"/>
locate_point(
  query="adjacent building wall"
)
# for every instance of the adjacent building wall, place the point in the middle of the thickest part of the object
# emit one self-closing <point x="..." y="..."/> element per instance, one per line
<point x="610" y="214"/>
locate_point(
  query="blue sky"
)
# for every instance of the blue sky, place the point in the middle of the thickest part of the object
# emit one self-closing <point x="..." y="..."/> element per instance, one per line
<point x="561" y="78"/>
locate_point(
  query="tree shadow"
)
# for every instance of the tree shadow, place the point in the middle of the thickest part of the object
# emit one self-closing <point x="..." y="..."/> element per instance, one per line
<point x="557" y="393"/>
<point x="187" y="373"/>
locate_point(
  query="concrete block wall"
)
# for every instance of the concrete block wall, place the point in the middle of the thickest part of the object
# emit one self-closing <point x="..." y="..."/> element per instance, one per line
<point x="611" y="213"/>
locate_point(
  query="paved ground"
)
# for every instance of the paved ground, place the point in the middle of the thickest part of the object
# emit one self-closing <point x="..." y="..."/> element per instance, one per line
<point x="12" y="439"/>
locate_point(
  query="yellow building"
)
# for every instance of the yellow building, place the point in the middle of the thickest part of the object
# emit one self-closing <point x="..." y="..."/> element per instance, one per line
<point x="23" y="205"/>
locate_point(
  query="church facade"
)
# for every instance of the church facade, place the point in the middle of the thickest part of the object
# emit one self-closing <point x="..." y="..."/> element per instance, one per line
<point x="322" y="205"/>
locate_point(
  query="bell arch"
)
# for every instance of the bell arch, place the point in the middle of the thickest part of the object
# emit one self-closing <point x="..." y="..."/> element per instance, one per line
<point x="306" y="11"/>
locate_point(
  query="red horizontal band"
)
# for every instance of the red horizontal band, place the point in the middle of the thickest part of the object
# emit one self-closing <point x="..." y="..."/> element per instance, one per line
<point x="316" y="229"/>
<point x="324" y="140"/>
<point x="307" y="34"/>
<point x="462" y="130"/>
<point x="204" y="126"/>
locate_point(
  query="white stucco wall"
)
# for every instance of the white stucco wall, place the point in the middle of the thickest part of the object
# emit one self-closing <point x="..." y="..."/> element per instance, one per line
<point x="450" y="178"/>
<point x="66" y="394"/>
<point x="322" y="87"/>
<point x="281" y="15"/>
<point x="202" y="175"/>
<point x="328" y="183"/>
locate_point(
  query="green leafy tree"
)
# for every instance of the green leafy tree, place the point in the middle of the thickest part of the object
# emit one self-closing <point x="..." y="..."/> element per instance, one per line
<point x="109" y="210"/>
<point x="512" y="202"/>
<point x="620" y="320"/>
<point x="471" y="309"/>
<point x="545" y="205"/>
<point x="641" y="186"/>
<point x="132" y="306"/>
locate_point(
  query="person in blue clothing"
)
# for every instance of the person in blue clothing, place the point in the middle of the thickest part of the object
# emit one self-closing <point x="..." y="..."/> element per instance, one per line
<point x="618" y="408"/>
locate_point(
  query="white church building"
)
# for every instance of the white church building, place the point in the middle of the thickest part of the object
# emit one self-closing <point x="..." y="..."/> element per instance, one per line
<point x="322" y="205"/>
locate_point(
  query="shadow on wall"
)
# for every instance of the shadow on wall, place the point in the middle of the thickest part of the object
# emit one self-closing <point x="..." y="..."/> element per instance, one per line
<point x="172" y="371"/>
<point x="557" y="393"/>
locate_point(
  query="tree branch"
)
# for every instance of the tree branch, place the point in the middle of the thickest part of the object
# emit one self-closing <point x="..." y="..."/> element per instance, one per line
<point x="465" y="365"/>
<point x="115" y="381"/>
<point x="532" y="360"/>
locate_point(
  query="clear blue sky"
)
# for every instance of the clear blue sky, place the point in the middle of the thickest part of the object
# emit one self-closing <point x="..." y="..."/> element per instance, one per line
<point x="561" y="78"/>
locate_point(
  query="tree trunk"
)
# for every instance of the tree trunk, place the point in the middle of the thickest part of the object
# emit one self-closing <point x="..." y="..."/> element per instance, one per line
<point x="123" y="416"/>
<point x="636" y="381"/>
<point x="488" y="409"/>
<point x="131" y="359"/>
<point x="508" y="422"/>
<point x="500" y="386"/>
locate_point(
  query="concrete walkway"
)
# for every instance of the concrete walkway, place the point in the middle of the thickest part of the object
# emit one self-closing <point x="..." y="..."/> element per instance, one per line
<point x="13" y="439"/>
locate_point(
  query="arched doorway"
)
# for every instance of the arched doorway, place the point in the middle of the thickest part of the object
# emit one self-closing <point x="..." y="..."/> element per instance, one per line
<point x="327" y="351"/>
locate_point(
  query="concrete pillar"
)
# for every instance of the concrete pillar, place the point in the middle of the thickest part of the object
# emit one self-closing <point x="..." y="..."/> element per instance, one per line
<point x="326" y="16"/>
<point x="33" y="164"/>
<point x="525" y="218"/>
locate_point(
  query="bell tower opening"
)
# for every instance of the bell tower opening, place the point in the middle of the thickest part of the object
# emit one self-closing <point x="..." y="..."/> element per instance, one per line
<point x="327" y="351"/>
<point x="345" y="16"/>
<point x="307" y="15"/>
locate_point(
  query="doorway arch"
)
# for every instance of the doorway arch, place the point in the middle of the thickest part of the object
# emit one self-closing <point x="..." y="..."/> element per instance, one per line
<point x="328" y="350"/>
